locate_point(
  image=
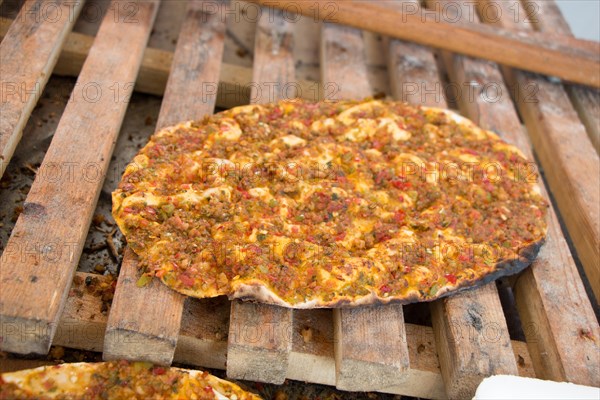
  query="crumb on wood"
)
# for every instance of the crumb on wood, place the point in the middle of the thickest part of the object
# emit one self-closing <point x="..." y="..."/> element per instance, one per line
<point x="98" y="219"/>
<point x="31" y="168"/>
<point x="148" y="121"/>
<point x="111" y="245"/>
<point x="521" y="361"/>
<point x="93" y="247"/>
<point x="98" y="286"/>
<point x="56" y="353"/>
<point x="241" y="52"/>
<point x="16" y="212"/>
<point x="585" y="333"/>
<point x="5" y="181"/>
<point x="420" y="348"/>
<point x="307" y="334"/>
<point x="280" y="395"/>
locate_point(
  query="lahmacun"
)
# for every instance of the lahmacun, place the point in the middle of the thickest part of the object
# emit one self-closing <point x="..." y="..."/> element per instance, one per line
<point x="330" y="204"/>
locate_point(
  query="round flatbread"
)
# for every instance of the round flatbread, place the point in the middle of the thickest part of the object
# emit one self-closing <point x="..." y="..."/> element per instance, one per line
<point x="330" y="204"/>
<point x="117" y="380"/>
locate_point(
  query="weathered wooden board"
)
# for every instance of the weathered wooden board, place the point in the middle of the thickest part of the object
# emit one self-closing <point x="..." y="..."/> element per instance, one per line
<point x="203" y="340"/>
<point x="232" y="88"/>
<point x="569" y="160"/>
<point x="461" y="322"/>
<point x="41" y="255"/>
<point x="370" y="342"/>
<point x="574" y="60"/>
<point x="144" y="322"/>
<point x="25" y="65"/>
<point x="566" y="153"/>
<point x="547" y="18"/>
<point x="558" y="320"/>
<point x="264" y="357"/>
<point x="587" y="103"/>
<point x="414" y="77"/>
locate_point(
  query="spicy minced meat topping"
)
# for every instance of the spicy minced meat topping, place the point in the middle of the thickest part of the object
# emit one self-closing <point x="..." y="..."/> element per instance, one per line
<point x="328" y="202"/>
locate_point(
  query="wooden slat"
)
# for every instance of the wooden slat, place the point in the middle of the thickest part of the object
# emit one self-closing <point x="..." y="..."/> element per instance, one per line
<point x="587" y="103"/>
<point x="197" y="61"/>
<point x="25" y="65"/>
<point x="137" y="330"/>
<point x="558" y="319"/>
<point x="548" y="18"/>
<point x="265" y="356"/>
<point x="203" y="340"/>
<point x="566" y="153"/>
<point x="144" y="322"/>
<point x="574" y="60"/>
<point x="463" y="321"/>
<point x="342" y="63"/>
<point x="370" y="344"/>
<point x="234" y="83"/>
<point x="472" y="340"/>
<point x="42" y="253"/>
<point x="414" y="77"/>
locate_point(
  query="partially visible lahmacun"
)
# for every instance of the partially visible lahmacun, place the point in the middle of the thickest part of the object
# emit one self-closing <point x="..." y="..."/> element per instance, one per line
<point x="117" y="380"/>
<point x="330" y="204"/>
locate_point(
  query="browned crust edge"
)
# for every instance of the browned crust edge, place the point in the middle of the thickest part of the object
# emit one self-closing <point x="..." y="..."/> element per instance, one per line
<point x="257" y="292"/>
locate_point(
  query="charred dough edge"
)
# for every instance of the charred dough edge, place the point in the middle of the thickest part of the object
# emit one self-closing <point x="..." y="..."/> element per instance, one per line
<point x="258" y="292"/>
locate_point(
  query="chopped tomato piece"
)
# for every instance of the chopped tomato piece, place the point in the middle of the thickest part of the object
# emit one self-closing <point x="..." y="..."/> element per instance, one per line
<point x="186" y="280"/>
<point x="451" y="278"/>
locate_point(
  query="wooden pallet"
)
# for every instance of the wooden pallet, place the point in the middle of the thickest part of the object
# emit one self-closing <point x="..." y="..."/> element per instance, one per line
<point x="370" y="348"/>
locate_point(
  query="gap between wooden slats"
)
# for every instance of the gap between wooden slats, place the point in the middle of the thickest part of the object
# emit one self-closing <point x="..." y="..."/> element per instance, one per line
<point x="264" y="357"/>
<point x="25" y="66"/>
<point x="41" y="255"/>
<point x="370" y="341"/>
<point x="557" y="316"/>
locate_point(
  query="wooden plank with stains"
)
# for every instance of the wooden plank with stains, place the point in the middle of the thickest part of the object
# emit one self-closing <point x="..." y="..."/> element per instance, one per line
<point x="370" y="341"/>
<point x="570" y="59"/>
<point x="558" y="320"/>
<point x="138" y="329"/>
<point x="264" y="356"/>
<point x="42" y="253"/>
<point x="546" y="17"/>
<point x="25" y="65"/>
<point x="565" y="151"/>
<point x="460" y="321"/>
<point x="202" y="340"/>
<point x="233" y="86"/>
